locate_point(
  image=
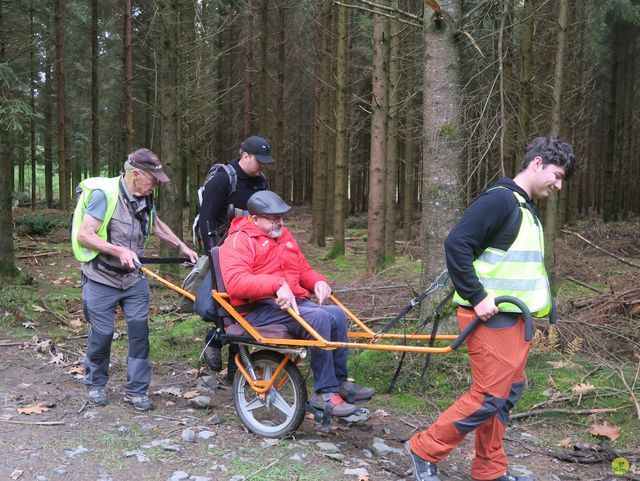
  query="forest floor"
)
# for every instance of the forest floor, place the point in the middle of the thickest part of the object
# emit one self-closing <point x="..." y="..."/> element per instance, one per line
<point x="60" y="437"/>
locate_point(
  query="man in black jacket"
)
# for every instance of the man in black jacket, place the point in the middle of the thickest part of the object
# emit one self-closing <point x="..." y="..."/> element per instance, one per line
<point x="220" y="193"/>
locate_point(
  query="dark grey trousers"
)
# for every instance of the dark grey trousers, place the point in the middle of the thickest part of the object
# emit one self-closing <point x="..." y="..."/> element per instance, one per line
<point x="99" y="303"/>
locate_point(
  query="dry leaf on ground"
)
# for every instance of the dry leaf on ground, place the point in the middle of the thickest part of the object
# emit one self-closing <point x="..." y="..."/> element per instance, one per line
<point x="76" y="370"/>
<point x="174" y="391"/>
<point x="76" y="322"/>
<point x="57" y="359"/>
<point x="610" y="431"/>
<point x="582" y="389"/>
<point x="37" y="409"/>
<point x="565" y="443"/>
<point x="190" y="394"/>
<point x="16" y="474"/>
<point x="38" y="308"/>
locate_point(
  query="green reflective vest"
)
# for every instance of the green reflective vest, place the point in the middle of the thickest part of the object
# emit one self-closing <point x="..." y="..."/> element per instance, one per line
<point x="111" y="189"/>
<point x="519" y="271"/>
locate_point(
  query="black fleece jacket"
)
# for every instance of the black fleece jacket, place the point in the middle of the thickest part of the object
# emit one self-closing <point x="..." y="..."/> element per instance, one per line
<point x="492" y="220"/>
<point x="216" y="200"/>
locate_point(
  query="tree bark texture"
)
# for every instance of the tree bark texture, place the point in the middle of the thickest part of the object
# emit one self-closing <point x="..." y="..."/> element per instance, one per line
<point x="170" y="203"/>
<point x="553" y="207"/>
<point x="440" y="151"/>
<point x="248" y="71"/>
<point x="391" y="175"/>
<point x="95" y="92"/>
<point x="377" y="169"/>
<point x="127" y="70"/>
<point x="342" y="137"/>
<point x="63" y="161"/>
<point x="320" y="165"/>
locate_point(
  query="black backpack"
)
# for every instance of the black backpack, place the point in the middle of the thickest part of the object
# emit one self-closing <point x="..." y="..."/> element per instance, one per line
<point x="233" y="183"/>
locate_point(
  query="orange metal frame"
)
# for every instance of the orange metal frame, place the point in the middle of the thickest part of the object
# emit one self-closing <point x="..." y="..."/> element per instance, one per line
<point x="365" y="333"/>
<point x="261" y="387"/>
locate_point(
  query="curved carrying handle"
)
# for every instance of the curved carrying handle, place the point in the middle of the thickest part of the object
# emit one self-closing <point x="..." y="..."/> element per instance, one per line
<point x="528" y="321"/>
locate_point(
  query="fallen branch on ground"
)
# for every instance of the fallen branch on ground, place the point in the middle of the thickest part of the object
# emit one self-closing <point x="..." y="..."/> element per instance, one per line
<point x="34" y="423"/>
<point x="536" y="412"/>
<point x="41" y="254"/>
<point x="615" y="256"/>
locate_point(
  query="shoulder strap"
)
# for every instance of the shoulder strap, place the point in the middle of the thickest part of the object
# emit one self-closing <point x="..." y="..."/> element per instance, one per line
<point x="233" y="177"/>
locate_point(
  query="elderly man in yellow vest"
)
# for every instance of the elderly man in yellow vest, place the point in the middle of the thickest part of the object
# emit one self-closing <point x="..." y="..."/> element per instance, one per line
<point x="112" y="224"/>
<point x="495" y="249"/>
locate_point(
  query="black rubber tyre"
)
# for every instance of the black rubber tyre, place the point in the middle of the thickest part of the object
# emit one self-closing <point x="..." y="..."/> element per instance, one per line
<point x="282" y="411"/>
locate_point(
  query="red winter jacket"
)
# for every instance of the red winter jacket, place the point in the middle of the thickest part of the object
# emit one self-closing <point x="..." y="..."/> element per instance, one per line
<point x="254" y="265"/>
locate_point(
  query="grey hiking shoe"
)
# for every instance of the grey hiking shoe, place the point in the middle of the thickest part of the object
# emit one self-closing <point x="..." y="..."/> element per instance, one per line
<point x="97" y="396"/>
<point x="141" y="403"/>
<point x="352" y="392"/>
<point x="333" y="404"/>
<point x="422" y="469"/>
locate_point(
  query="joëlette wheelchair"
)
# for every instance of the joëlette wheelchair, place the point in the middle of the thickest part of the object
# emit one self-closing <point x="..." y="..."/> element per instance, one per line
<point x="269" y="391"/>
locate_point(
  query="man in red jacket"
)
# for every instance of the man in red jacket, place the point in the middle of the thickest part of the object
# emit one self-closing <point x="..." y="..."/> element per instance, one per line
<point x="265" y="274"/>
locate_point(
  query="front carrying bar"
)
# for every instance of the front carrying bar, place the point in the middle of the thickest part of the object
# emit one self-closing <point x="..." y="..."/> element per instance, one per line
<point x="528" y="320"/>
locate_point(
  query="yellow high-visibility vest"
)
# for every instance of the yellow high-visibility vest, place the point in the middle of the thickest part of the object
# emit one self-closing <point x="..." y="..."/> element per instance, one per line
<point x="111" y="188"/>
<point x="518" y="271"/>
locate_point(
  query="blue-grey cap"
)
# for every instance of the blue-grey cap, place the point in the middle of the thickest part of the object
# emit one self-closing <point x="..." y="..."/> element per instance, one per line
<point x="267" y="202"/>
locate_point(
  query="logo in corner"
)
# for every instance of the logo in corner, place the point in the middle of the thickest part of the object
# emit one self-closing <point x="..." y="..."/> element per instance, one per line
<point x="620" y="466"/>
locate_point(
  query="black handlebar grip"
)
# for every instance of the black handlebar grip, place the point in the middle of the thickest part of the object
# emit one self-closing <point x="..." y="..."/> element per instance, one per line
<point x="526" y="314"/>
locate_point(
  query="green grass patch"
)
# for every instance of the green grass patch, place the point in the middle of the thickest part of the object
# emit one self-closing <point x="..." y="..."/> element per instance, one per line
<point x="268" y="464"/>
<point x="174" y="340"/>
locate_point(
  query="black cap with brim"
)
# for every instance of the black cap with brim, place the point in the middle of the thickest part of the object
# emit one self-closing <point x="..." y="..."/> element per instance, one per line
<point x="260" y="147"/>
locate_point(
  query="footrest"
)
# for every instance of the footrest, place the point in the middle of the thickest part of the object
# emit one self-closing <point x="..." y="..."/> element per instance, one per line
<point x="319" y="415"/>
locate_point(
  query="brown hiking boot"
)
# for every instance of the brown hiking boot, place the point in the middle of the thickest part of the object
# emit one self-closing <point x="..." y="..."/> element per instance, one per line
<point x="333" y="404"/>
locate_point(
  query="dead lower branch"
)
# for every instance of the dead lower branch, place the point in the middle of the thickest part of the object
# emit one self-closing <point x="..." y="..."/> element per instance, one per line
<point x="537" y="412"/>
<point x="615" y="256"/>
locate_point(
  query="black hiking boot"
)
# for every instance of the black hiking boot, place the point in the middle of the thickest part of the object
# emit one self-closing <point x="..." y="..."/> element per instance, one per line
<point x="422" y="469"/>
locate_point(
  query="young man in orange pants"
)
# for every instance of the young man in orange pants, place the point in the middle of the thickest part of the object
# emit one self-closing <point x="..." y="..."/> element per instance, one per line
<point x="496" y="249"/>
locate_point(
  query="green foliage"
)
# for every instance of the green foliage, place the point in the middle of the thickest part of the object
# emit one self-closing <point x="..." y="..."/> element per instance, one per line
<point x="447" y="131"/>
<point x="41" y="223"/>
<point x="14" y="112"/>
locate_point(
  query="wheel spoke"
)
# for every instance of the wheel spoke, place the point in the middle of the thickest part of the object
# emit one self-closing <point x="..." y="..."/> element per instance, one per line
<point x="254" y="404"/>
<point x="280" y="403"/>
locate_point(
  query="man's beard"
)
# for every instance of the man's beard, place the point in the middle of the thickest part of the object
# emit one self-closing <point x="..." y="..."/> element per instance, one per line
<point x="276" y="231"/>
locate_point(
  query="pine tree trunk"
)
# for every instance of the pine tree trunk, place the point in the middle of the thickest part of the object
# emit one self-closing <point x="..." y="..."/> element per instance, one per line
<point x="48" y="133"/>
<point x="283" y="176"/>
<point x="169" y="201"/>
<point x="95" y="93"/>
<point x="63" y="161"/>
<point x="263" y="122"/>
<point x="127" y="70"/>
<point x="526" y="80"/>
<point x="7" y="260"/>
<point x="32" y="121"/>
<point x="248" y="71"/>
<point x="551" y="219"/>
<point x="379" y="103"/>
<point x="391" y="175"/>
<point x="320" y="166"/>
<point x="441" y="182"/>
<point x="342" y="139"/>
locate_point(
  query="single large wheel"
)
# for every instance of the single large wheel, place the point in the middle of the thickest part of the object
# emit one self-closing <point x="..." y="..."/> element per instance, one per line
<point x="281" y="410"/>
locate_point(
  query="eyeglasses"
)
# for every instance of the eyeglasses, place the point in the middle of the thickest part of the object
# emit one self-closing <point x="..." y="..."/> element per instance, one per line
<point x="273" y="217"/>
<point x="148" y="176"/>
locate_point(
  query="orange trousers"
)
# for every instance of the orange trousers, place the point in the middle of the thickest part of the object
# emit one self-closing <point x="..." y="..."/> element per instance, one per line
<point x="498" y="355"/>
